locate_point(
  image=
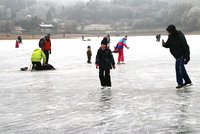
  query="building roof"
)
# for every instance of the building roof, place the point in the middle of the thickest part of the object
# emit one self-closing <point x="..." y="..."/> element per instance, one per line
<point x="46" y="25"/>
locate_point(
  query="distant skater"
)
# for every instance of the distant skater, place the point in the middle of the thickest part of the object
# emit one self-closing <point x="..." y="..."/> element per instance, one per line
<point x="108" y="39"/>
<point x="104" y="62"/>
<point x="18" y="41"/>
<point x="158" y="37"/>
<point x="89" y="54"/>
<point x="180" y="50"/>
<point x="120" y="46"/>
<point x="83" y="38"/>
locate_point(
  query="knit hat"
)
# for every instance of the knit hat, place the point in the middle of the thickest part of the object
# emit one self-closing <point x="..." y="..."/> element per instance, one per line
<point x="104" y="41"/>
<point x="171" y="28"/>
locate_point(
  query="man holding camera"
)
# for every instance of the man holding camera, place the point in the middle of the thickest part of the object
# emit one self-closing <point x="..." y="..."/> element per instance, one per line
<point x="180" y="50"/>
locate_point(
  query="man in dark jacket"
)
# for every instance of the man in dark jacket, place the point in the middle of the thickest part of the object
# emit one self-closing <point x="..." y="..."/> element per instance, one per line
<point x="105" y="62"/>
<point x="180" y="50"/>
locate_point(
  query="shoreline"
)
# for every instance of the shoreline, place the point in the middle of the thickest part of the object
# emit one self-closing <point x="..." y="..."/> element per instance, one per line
<point x="33" y="37"/>
<point x="74" y="36"/>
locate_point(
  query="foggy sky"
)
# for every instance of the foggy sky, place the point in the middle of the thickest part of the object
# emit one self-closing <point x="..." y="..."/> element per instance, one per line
<point x="65" y="2"/>
<point x="72" y="2"/>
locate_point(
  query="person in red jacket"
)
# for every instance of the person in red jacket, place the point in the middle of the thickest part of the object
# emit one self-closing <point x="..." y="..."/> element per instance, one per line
<point x="46" y="47"/>
<point x="18" y="41"/>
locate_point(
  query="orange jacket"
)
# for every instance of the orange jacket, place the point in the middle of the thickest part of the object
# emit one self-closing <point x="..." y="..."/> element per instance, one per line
<point x="47" y="45"/>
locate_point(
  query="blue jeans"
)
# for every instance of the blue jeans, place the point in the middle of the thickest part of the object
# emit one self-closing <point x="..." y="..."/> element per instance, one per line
<point x="181" y="73"/>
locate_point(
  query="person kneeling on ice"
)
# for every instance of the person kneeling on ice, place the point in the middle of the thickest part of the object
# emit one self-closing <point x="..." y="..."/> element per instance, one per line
<point x="104" y="62"/>
<point x="36" y="58"/>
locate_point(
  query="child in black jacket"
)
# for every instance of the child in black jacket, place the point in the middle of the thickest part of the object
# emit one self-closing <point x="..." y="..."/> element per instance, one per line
<point x="104" y="62"/>
<point x="89" y="54"/>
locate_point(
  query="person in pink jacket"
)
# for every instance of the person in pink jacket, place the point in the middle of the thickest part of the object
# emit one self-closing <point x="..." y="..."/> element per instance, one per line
<point x="18" y="41"/>
<point x="120" y="46"/>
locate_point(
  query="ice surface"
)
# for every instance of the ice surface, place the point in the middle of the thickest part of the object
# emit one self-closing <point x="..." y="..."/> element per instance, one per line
<point x="142" y="100"/>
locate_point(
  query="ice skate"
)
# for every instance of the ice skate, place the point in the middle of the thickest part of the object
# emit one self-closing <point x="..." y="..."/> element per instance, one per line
<point x="103" y="87"/>
<point x="179" y="86"/>
<point x="187" y="84"/>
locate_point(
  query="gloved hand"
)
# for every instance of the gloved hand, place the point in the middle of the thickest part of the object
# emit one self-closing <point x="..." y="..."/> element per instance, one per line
<point x="113" y="66"/>
<point x="163" y="42"/>
<point x="49" y="52"/>
<point x="97" y="66"/>
<point x="186" y="60"/>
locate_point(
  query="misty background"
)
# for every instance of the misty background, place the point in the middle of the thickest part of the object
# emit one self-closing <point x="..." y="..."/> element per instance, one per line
<point x="117" y="16"/>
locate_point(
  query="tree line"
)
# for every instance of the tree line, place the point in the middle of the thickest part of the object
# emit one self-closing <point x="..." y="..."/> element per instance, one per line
<point x="143" y="15"/>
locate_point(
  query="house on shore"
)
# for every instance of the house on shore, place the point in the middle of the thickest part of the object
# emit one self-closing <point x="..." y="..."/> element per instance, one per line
<point x="47" y="28"/>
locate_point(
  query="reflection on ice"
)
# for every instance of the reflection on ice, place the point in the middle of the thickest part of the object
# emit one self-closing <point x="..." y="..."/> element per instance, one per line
<point x="142" y="100"/>
<point x="106" y="95"/>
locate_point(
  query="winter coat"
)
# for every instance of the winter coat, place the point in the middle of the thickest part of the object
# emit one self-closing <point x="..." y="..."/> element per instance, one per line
<point x="178" y="45"/>
<point x="121" y="44"/>
<point x="46" y="45"/>
<point x="89" y="53"/>
<point x="104" y="59"/>
<point x="38" y="55"/>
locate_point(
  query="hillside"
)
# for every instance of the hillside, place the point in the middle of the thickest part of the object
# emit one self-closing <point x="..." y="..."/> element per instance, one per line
<point x="121" y="15"/>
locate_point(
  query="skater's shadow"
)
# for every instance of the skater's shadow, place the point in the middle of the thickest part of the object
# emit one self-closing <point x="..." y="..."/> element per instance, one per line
<point x="184" y="90"/>
<point x="183" y="105"/>
<point x="105" y="107"/>
<point x="106" y="95"/>
<point x="105" y="100"/>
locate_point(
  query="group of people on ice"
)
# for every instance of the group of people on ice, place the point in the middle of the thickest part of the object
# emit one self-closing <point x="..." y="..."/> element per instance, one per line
<point x="104" y="61"/>
<point x="176" y="42"/>
<point x="41" y="54"/>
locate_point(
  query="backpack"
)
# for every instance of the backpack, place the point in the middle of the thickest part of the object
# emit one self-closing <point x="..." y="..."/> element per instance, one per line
<point x="41" y="42"/>
<point x="48" y="67"/>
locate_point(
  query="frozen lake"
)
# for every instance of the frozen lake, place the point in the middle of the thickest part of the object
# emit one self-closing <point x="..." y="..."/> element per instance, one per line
<point x="142" y="100"/>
